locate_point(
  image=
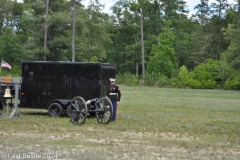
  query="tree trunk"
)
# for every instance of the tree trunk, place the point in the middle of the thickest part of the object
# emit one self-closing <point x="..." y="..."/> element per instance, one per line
<point x="238" y="19"/>
<point x="46" y="32"/>
<point x="137" y="69"/>
<point x="74" y="31"/>
<point x="143" y="63"/>
<point x="223" y="72"/>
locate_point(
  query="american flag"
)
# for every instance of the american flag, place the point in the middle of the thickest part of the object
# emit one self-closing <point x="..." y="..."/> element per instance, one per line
<point x="5" y="64"/>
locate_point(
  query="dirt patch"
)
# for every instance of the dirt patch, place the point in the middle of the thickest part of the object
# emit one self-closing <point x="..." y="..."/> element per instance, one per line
<point x="125" y="145"/>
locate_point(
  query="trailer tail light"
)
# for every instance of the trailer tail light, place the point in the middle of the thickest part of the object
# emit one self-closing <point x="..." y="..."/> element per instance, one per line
<point x="22" y="93"/>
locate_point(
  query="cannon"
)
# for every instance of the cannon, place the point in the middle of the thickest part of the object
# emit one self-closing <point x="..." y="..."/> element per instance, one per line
<point x="79" y="109"/>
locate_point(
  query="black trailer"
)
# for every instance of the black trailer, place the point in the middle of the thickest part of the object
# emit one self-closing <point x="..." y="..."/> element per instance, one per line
<point x="52" y="85"/>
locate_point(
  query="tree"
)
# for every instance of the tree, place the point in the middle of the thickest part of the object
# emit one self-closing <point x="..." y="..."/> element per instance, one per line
<point x="142" y="39"/>
<point x="126" y="36"/>
<point x="231" y="55"/>
<point x="172" y="9"/>
<point x="127" y="23"/>
<point x="200" y="43"/>
<point x="183" y="76"/>
<point x="203" y="12"/>
<point x="182" y="46"/>
<point x="218" y="24"/>
<point x="46" y="31"/>
<point x="74" y="31"/>
<point x="11" y="49"/>
<point x="205" y="75"/>
<point x="91" y="41"/>
<point x="58" y="24"/>
<point x="163" y="57"/>
<point x="10" y="14"/>
<point x="182" y="40"/>
<point x="208" y="41"/>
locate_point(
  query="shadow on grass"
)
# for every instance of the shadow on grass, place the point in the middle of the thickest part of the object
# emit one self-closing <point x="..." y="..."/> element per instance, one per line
<point x="35" y="113"/>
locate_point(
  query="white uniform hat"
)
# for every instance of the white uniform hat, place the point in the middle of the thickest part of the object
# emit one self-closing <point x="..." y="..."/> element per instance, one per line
<point x="112" y="80"/>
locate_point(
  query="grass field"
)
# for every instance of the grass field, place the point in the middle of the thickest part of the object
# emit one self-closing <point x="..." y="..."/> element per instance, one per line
<point x="152" y="123"/>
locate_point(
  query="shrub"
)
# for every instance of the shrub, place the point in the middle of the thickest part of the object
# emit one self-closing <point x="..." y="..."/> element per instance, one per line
<point x="233" y="83"/>
<point x="156" y="79"/>
<point x="183" y="77"/>
<point x="204" y="76"/>
<point x="174" y="82"/>
<point x="132" y="80"/>
<point x="120" y="78"/>
<point x="127" y="79"/>
<point x="209" y="84"/>
<point x="195" y="84"/>
<point x="149" y="79"/>
<point x="206" y="71"/>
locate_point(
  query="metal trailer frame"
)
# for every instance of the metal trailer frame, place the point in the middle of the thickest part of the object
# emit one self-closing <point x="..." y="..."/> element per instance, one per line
<point x="15" y="81"/>
<point x="52" y="85"/>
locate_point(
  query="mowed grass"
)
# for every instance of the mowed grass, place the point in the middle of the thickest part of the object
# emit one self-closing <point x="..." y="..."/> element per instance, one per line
<point x="152" y="123"/>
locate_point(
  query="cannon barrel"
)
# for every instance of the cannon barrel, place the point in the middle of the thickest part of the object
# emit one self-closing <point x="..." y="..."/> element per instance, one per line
<point x="92" y="101"/>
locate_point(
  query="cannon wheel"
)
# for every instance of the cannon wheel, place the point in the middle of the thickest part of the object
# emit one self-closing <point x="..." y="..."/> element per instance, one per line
<point x="104" y="110"/>
<point x="77" y="110"/>
<point x="68" y="111"/>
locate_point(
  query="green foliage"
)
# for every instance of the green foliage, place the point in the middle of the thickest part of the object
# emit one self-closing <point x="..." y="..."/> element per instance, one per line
<point x="163" y="58"/>
<point x="194" y="84"/>
<point x="173" y="82"/>
<point x="14" y="72"/>
<point x="126" y="79"/>
<point x="156" y="79"/>
<point x="200" y="43"/>
<point x="204" y="76"/>
<point x="150" y="79"/>
<point x="171" y="39"/>
<point x="11" y="49"/>
<point x="183" y="76"/>
<point x="153" y="79"/>
<point x="132" y="80"/>
<point x="231" y="55"/>
<point x="209" y="84"/>
<point x="233" y="83"/>
<point x="182" y="44"/>
<point x="94" y="59"/>
<point x="91" y="32"/>
<point x="206" y="73"/>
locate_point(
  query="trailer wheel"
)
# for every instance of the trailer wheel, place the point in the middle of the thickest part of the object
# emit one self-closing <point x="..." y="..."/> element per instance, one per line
<point x="55" y="110"/>
<point x="104" y="110"/>
<point x="78" y="110"/>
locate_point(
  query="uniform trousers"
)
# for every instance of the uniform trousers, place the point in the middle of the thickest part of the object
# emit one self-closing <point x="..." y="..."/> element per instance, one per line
<point x="114" y="104"/>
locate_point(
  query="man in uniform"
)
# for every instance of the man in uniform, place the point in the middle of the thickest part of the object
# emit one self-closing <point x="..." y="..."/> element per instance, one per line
<point x="114" y="95"/>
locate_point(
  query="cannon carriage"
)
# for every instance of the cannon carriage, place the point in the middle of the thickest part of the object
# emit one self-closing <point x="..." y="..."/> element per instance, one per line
<point x="79" y="108"/>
